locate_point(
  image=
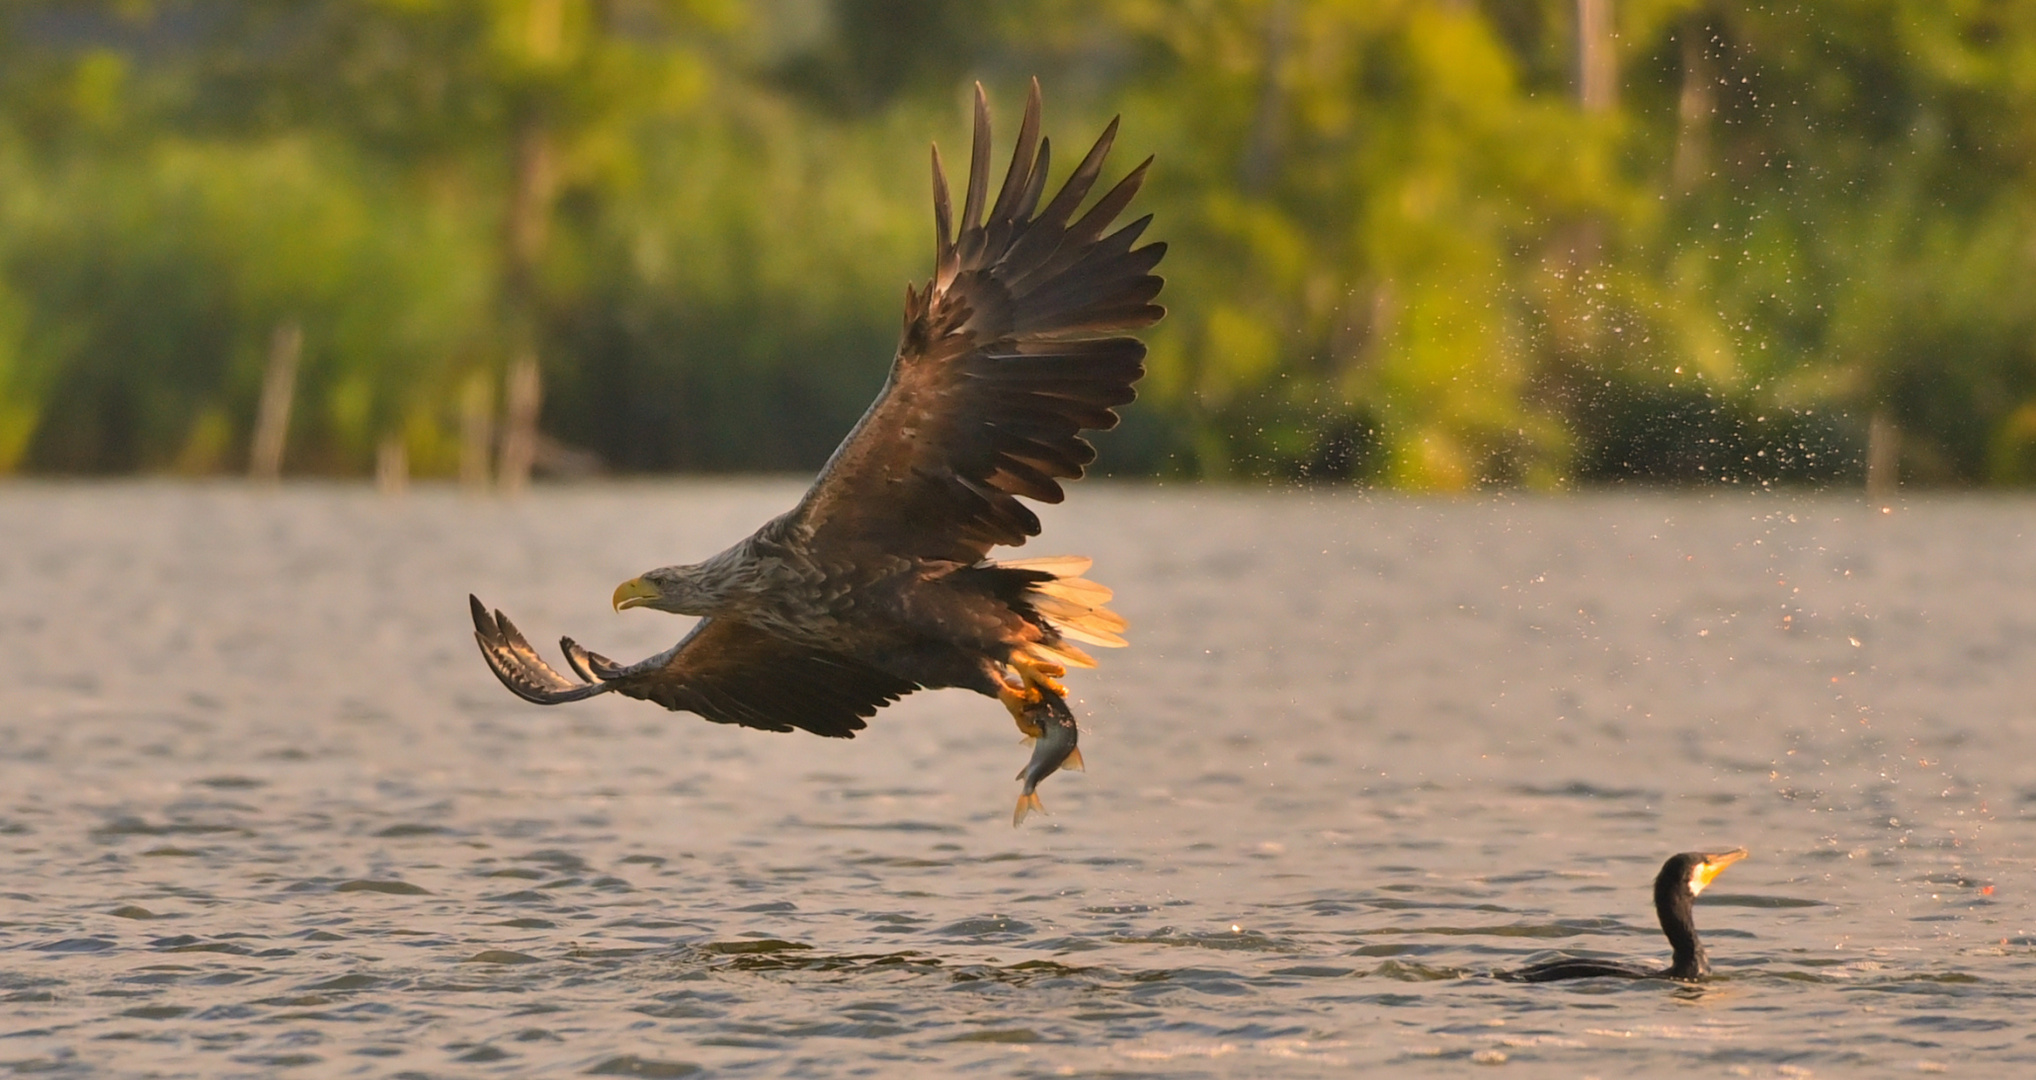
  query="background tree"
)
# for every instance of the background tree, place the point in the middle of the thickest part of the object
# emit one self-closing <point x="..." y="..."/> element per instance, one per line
<point x="1407" y="249"/>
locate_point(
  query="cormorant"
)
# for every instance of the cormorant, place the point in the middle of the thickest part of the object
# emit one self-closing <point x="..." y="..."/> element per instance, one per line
<point x="1682" y="877"/>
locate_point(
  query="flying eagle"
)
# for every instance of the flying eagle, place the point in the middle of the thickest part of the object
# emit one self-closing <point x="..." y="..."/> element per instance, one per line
<point x="879" y="581"/>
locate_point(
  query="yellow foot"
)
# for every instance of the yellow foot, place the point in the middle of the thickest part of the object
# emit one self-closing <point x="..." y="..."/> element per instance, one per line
<point x="1042" y="675"/>
<point x="1020" y="701"/>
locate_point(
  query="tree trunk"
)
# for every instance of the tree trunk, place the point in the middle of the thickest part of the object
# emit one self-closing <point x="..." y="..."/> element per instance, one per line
<point x="525" y="234"/>
<point x="1598" y="93"/>
<point x="1597" y="62"/>
<point x="1694" y="108"/>
<point x="392" y="465"/>
<point x="519" y="432"/>
<point x="272" y="416"/>
<point x="1261" y="152"/>
<point x="529" y="227"/>
<point x="529" y="224"/>
<point x="477" y="432"/>
<point x="1883" y="456"/>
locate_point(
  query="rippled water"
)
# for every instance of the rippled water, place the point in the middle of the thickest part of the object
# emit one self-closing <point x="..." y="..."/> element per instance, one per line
<point x="264" y="811"/>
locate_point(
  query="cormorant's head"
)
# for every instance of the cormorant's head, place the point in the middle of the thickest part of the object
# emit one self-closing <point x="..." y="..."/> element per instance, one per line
<point x="1692" y="871"/>
<point x="1675" y="892"/>
<point x="677" y="589"/>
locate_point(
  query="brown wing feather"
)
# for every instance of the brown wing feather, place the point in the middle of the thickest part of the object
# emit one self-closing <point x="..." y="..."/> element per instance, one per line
<point x="733" y="673"/>
<point x="729" y="672"/>
<point x="1007" y="356"/>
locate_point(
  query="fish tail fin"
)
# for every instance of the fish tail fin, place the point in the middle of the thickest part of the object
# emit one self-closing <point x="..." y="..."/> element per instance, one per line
<point x="1027" y="803"/>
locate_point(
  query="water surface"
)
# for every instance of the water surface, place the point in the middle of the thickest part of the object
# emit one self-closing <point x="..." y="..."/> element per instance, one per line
<point x="265" y="812"/>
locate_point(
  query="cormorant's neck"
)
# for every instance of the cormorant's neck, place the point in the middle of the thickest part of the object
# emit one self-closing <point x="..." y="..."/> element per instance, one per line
<point x="1674" y="905"/>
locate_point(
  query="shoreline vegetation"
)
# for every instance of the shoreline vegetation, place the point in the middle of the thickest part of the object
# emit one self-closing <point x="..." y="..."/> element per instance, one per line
<point x="1422" y="245"/>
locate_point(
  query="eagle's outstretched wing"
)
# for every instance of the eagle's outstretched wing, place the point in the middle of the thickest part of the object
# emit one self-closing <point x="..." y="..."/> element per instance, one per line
<point x="727" y="671"/>
<point x="1013" y="349"/>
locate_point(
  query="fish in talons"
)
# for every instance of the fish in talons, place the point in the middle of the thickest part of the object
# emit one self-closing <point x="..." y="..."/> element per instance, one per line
<point x="1053" y="749"/>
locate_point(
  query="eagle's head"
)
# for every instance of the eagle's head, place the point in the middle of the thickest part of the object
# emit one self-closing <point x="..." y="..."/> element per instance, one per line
<point x="680" y="590"/>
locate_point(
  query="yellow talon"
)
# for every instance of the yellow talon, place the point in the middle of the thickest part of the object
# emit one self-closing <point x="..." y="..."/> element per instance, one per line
<point x="1034" y="679"/>
<point x="1020" y="701"/>
<point x="1039" y="674"/>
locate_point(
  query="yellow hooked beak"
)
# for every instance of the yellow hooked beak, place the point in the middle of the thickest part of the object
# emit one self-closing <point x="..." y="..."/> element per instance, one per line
<point x="1715" y="864"/>
<point x="635" y="592"/>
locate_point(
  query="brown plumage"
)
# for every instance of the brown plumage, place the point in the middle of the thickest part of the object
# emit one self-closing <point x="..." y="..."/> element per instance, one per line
<point x="879" y="582"/>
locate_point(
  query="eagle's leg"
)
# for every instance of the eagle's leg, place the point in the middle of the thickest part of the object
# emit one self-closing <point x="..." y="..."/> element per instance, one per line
<point x="1020" y="695"/>
<point x="1019" y="703"/>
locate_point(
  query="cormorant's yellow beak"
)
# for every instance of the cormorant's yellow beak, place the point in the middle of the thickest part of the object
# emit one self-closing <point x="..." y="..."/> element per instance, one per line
<point x="1715" y="864"/>
<point x="635" y="592"/>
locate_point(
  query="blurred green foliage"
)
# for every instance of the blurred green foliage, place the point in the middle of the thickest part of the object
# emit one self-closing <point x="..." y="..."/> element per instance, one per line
<point x="1403" y="250"/>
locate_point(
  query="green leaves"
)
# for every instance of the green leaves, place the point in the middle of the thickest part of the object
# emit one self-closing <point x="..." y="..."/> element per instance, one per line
<point x="1401" y="252"/>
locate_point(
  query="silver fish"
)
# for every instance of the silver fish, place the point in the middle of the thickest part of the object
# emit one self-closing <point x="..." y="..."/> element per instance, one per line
<point x="1055" y="749"/>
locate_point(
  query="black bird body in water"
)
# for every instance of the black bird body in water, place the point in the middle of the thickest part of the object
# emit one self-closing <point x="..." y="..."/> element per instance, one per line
<point x="881" y="581"/>
<point x="1682" y="877"/>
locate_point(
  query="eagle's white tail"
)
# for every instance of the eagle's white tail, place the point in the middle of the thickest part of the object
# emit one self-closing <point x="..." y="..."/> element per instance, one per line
<point x="1073" y="606"/>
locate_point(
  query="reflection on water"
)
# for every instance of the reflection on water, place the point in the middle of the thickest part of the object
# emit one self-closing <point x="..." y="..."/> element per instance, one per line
<point x="265" y="810"/>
